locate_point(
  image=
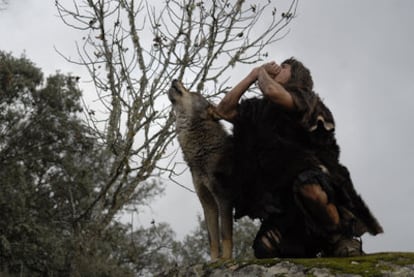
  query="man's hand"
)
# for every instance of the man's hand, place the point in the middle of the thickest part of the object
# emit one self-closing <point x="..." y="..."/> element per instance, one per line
<point x="272" y="68"/>
<point x="272" y="89"/>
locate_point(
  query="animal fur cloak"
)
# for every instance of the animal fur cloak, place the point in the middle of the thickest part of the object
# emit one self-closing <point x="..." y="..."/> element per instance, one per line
<point x="278" y="150"/>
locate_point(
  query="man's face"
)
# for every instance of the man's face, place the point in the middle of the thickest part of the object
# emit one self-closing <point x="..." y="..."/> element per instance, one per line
<point x="284" y="75"/>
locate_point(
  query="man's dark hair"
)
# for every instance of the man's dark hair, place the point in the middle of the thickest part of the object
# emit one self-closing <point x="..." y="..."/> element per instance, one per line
<point x="301" y="77"/>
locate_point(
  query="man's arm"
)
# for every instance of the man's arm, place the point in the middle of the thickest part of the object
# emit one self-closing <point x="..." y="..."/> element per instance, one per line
<point x="227" y="108"/>
<point x="274" y="91"/>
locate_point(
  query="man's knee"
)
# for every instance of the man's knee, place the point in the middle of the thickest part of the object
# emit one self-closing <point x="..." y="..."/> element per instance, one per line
<point x="315" y="200"/>
<point x="314" y="193"/>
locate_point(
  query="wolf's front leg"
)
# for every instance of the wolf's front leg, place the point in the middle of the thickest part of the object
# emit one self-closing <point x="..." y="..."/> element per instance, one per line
<point x="226" y="220"/>
<point x="211" y="214"/>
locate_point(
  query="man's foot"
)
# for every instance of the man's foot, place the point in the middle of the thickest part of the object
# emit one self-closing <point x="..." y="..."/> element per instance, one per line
<point x="347" y="247"/>
<point x="267" y="244"/>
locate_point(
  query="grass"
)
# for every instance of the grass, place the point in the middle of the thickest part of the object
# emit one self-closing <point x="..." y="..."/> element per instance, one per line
<point x="369" y="265"/>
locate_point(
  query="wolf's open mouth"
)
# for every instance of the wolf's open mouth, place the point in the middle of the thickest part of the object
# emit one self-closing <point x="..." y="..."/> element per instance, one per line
<point x="176" y="86"/>
<point x="174" y="91"/>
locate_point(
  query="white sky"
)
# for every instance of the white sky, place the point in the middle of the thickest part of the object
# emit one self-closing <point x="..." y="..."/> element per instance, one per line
<point x="361" y="57"/>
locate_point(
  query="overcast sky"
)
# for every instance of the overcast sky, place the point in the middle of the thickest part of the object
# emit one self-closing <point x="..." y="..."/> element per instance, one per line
<point x="361" y="57"/>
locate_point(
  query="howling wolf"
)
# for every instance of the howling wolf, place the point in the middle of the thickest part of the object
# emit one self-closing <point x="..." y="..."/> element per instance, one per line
<point x="207" y="149"/>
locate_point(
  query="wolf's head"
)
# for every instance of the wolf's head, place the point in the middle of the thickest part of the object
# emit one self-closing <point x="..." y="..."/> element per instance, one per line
<point x="190" y="104"/>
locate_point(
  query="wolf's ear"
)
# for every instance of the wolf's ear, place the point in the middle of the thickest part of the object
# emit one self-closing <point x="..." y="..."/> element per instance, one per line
<point x="212" y="111"/>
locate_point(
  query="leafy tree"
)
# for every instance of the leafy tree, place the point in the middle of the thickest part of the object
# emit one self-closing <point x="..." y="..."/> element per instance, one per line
<point x="51" y="167"/>
<point x="194" y="248"/>
<point x="41" y="150"/>
<point x="153" y="247"/>
<point x="144" y="252"/>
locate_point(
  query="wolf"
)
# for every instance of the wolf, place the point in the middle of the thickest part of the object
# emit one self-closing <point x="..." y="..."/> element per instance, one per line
<point x="207" y="149"/>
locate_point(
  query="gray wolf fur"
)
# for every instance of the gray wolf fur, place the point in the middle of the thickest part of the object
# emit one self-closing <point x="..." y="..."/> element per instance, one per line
<point x="207" y="149"/>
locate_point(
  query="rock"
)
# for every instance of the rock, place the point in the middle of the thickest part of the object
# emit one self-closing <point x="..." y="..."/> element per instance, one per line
<point x="381" y="264"/>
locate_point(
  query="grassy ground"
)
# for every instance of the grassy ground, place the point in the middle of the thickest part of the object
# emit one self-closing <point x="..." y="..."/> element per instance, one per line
<point x="367" y="265"/>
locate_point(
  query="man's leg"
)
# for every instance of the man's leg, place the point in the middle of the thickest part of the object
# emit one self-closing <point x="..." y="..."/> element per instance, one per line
<point x="315" y="202"/>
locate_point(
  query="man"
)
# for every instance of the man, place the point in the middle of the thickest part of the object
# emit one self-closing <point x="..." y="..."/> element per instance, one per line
<point x="287" y="168"/>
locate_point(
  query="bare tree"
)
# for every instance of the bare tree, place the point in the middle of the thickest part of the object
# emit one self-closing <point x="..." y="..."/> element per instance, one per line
<point x="133" y="49"/>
